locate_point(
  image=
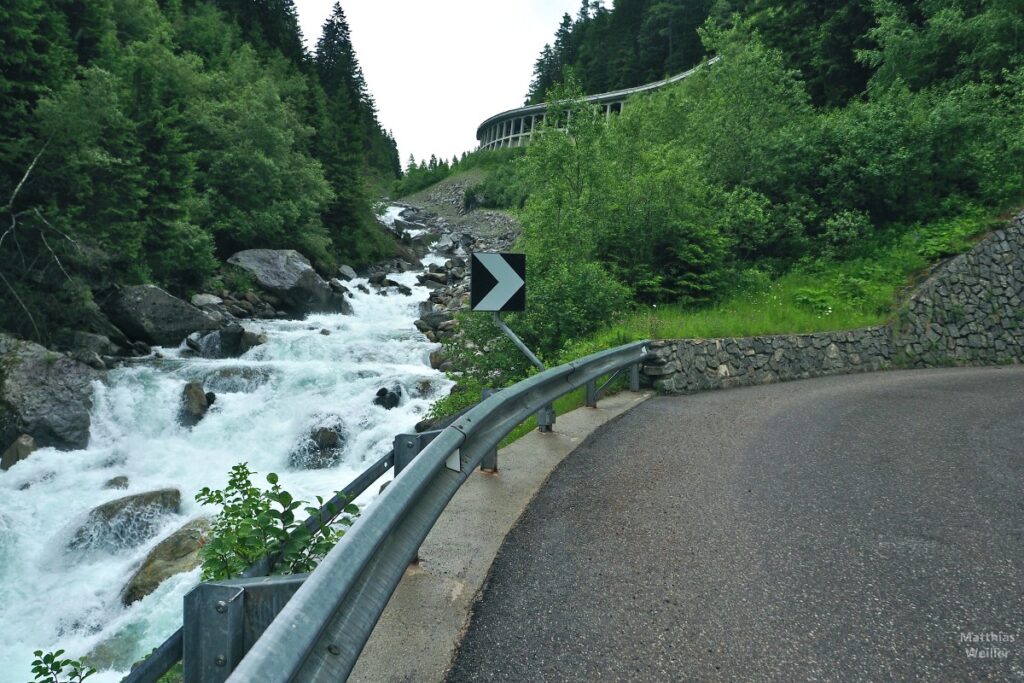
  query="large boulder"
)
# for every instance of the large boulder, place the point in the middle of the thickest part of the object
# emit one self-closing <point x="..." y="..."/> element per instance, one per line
<point x="290" y="277"/>
<point x="230" y="342"/>
<point x="149" y="314"/>
<point x="235" y="340"/>
<point x="177" y="553"/>
<point x="44" y="394"/>
<point x="125" y="522"/>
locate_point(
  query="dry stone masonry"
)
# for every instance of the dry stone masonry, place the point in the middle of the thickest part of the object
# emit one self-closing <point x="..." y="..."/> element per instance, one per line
<point x="969" y="312"/>
<point x="689" y="365"/>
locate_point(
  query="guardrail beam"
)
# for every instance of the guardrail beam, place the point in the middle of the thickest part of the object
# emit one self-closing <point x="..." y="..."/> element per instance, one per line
<point x="320" y="633"/>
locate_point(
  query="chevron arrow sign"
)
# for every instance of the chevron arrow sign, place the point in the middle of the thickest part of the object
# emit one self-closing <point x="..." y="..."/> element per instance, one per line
<point x="498" y="282"/>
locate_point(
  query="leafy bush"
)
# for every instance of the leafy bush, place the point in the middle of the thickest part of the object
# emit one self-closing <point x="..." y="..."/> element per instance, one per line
<point x="844" y="231"/>
<point x="50" y="668"/>
<point x="503" y="188"/>
<point x="466" y="393"/>
<point x="253" y="523"/>
<point x="485" y="357"/>
<point x="950" y="236"/>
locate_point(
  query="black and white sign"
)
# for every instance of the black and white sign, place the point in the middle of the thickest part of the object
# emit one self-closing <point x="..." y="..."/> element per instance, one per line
<point x="499" y="282"/>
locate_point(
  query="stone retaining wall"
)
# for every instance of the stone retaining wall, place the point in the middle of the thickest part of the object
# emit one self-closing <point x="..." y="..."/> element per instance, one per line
<point x="969" y="312"/>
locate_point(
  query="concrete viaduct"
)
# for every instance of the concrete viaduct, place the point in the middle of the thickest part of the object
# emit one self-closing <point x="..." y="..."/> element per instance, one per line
<point x="514" y="128"/>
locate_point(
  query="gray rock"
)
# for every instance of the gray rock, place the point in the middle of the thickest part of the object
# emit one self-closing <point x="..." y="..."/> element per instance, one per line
<point x="235" y="340"/>
<point x="22" y="447"/>
<point x="194" y="403"/>
<point x="241" y="379"/>
<point x="96" y="344"/>
<point x="116" y="652"/>
<point x="230" y="342"/>
<point x="435" y="320"/>
<point x="44" y="394"/>
<point x="149" y="314"/>
<point x="347" y="273"/>
<point x="201" y="300"/>
<point x="176" y="554"/>
<point x="289" y="276"/>
<point x="120" y="482"/>
<point x="388" y="398"/>
<point x="124" y="523"/>
<point x="322" y="449"/>
<point x="440" y="278"/>
<point x="98" y="323"/>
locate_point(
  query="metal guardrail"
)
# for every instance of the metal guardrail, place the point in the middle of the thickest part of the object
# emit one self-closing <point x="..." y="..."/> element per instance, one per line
<point x="321" y="631"/>
<point x="171" y="651"/>
<point x="313" y="627"/>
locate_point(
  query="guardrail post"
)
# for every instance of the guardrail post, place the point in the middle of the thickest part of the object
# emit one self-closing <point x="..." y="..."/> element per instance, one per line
<point x="223" y="619"/>
<point x="407" y="447"/>
<point x="592" y="394"/>
<point x="546" y="418"/>
<point x="634" y="377"/>
<point x="490" y="461"/>
<point x="214" y="640"/>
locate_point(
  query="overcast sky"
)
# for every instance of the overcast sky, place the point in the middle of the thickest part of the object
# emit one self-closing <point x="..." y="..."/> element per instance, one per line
<point x="438" y="68"/>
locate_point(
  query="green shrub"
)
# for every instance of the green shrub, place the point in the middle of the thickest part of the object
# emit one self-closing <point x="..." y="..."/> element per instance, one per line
<point x="50" y="668"/>
<point x="253" y="523"/>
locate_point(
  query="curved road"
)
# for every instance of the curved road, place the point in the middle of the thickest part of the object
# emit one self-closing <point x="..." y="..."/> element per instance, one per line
<point x="839" y="529"/>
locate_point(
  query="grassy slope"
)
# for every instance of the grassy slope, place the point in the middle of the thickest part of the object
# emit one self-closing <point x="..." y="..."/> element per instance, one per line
<point x="816" y="296"/>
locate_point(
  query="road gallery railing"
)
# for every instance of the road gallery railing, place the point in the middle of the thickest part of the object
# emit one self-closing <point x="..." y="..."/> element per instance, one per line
<point x="313" y="627"/>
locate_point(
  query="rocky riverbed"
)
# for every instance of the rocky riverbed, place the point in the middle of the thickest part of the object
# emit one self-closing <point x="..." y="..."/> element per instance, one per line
<point x="306" y="373"/>
<point x="441" y="220"/>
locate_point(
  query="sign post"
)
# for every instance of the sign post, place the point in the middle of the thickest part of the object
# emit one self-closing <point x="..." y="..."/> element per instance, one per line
<point x="498" y="285"/>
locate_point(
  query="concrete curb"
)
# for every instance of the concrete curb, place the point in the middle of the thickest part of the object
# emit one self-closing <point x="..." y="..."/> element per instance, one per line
<point x="420" y="629"/>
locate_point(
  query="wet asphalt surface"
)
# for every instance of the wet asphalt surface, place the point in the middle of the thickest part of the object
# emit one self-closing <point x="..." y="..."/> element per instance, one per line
<point x="838" y="529"/>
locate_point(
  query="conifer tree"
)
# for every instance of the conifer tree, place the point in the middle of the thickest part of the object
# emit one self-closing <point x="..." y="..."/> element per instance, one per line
<point x="341" y="136"/>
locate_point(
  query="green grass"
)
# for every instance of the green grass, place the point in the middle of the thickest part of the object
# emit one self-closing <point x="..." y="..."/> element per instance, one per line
<point x="816" y="296"/>
<point x="566" y="404"/>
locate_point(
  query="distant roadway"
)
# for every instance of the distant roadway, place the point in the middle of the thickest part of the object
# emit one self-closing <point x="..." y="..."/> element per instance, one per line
<point x="860" y="528"/>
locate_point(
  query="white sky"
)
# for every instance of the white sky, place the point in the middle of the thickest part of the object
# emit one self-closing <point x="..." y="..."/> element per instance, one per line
<point x="438" y="68"/>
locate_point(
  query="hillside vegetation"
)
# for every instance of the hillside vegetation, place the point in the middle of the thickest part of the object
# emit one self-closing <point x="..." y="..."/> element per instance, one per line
<point x="146" y="141"/>
<point x="750" y="198"/>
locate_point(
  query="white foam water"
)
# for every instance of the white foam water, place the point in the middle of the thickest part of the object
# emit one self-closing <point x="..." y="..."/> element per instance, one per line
<point x="267" y="403"/>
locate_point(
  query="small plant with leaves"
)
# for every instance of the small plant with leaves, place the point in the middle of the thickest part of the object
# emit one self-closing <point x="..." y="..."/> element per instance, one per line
<point x="254" y="523"/>
<point x="48" y="667"/>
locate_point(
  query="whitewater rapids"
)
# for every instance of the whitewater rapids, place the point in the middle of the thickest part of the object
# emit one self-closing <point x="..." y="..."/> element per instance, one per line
<point x="268" y="402"/>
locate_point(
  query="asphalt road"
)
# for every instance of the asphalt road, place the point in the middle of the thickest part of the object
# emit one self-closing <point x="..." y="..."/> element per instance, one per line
<point x="839" y="529"/>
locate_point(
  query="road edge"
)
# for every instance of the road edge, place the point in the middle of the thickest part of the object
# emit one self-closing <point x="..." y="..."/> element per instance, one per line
<point x="421" y="628"/>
